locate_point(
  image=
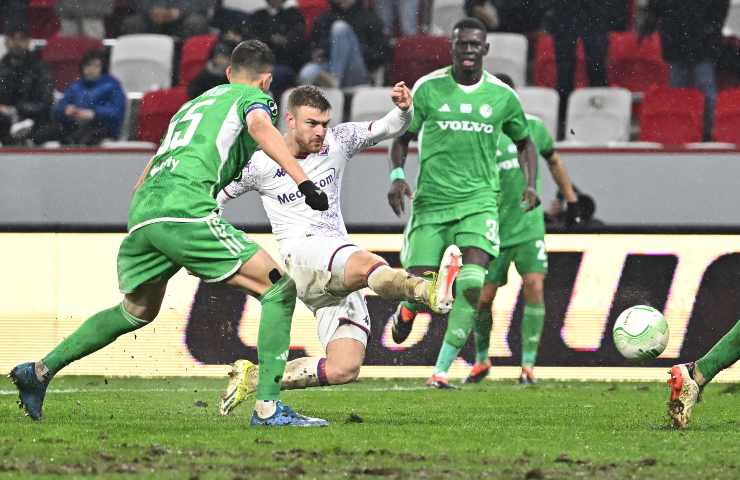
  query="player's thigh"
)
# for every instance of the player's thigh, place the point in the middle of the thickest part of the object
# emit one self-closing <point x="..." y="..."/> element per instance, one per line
<point x="146" y="300"/>
<point x="257" y="274"/>
<point x="480" y="231"/>
<point x="424" y="244"/>
<point x="530" y="257"/>
<point x="140" y="262"/>
<point x="349" y="319"/>
<point x="357" y="266"/>
<point x="498" y="269"/>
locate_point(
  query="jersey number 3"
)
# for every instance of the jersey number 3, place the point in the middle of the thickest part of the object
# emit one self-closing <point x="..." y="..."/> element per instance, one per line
<point x="175" y="138"/>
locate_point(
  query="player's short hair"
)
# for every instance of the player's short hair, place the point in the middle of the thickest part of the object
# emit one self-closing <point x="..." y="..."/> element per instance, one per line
<point x="470" y="23"/>
<point x="506" y="79"/>
<point x="308" y="96"/>
<point x="252" y="56"/>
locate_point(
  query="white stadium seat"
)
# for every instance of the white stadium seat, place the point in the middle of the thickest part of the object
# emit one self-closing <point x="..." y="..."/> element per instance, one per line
<point x="250" y="6"/>
<point x="143" y="62"/>
<point x="508" y="54"/>
<point x="732" y="23"/>
<point x="335" y="97"/>
<point x="370" y="103"/>
<point x="445" y="15"/>
<point x="599" y="115"/>
<point x="3" y="48"/>
<point x="542" y="102"/>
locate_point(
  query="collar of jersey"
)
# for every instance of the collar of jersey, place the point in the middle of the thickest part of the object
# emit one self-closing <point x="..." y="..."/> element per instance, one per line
<point x="469" y="88"/>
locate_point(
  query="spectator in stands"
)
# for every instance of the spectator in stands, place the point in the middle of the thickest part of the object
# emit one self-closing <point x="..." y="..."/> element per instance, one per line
<point x="12" y="13"/>
<point x="214" y="72"/>
<point x="588" y="20"/>
<point x="92" y="108"/>
<point x="403" y="12"/>
<point x="26" y="88"/>
<point x="83" y="17"/>
<point x="556" y="217"/>
<point x="347" y="42"/>
<point x="519" y="16"/>
<point x="283" y="30"/>
<point x="690" y="34"/>
<point x="176" y="18"/>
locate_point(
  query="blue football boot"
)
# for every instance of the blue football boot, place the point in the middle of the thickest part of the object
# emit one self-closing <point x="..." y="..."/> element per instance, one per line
<point x="31" y="391"/>
<point x="285" y="416"/>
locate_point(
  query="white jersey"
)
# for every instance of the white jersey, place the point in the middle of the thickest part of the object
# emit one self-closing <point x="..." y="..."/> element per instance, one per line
<point x="291" y="218"/>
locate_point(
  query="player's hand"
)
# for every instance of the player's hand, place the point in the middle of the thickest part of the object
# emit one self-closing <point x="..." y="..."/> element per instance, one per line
<point x="573" y="215"/>
<point x="315" y="197"/>
<point x="530" y="200"/>
<point x="401" y="96"/>
<point x="399" y="189"/>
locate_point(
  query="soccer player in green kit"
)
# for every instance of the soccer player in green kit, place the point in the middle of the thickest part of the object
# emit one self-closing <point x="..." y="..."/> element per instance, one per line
<point x="459" y="113"/>
<point x="173" y="222"/>
<point x="522" y="242"/>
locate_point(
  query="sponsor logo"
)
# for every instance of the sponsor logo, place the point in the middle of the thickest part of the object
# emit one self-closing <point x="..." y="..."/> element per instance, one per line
<point x="444" y="108"/>
<point x="325" y="179"/>
<point x="466" y="108"/>
<point x="170" y="163"/>
<point x="465" y="126"/>
<point x="485" y="111"/>
<point x="508" y="164"/>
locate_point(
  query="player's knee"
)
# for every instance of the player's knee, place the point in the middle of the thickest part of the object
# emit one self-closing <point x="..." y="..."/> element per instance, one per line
<point x="485" y="301"/>
<point x="142" y="312"/>
<point x="534" y="290"/>
<point x="470" y="283"/>
<point x="342" y="373"/>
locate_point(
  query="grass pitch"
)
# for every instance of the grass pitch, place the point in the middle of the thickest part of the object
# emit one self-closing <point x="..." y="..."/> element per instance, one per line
<point x="170" y="428"/>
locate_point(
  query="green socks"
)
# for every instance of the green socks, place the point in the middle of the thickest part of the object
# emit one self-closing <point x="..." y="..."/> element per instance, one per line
<point x="463" y="315"/>
<point x="483" y="335"/>
<point x="532" y="323"/>
<point x="723" y="354"/>
<point x="278" y="303"/>
<point x="98" y="331"/>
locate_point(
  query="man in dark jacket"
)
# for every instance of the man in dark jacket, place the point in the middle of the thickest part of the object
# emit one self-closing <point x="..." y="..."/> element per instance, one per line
<point x="214" y="72"/>
<point x="26" y="89"/>
<point x="347" y="42"/>
<point x="283" y="29"/>
<point x="690" y="34"/>
<point x="92" y="108"/>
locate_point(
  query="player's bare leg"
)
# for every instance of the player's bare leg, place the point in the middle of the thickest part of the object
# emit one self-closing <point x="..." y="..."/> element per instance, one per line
<point x="136" y="310"/>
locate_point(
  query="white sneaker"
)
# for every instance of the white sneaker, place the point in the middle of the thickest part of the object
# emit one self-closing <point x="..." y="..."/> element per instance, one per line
<point x="684" y="395"/>
<point x="21" y="129"/>
<point x="442" y="296"/>
<point x="242" y="384"/>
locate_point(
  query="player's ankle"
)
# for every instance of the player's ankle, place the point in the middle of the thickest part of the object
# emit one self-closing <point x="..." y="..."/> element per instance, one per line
<point x="42" y="372"/>
<point x="265" y="408"/>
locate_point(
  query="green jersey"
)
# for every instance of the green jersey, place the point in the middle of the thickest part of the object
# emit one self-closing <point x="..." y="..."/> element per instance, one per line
<point x="515" y="226"/>
<point x="458" y="128"/>
<point x="206" y="147"/>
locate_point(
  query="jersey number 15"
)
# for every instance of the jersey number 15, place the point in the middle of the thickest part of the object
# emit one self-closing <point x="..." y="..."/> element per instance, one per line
<point x="175" y="138"/>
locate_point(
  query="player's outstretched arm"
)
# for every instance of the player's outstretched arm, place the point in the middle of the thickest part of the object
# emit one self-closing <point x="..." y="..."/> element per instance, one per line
<point x="397" y="121"/>
<point x="562" y="180"/>
<point x="399" y="187"/>
<point x="527" y="153"/>
<point x="268" y="137"/>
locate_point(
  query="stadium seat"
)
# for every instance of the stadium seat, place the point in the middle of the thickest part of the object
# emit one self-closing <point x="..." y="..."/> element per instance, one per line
<point x="370" y="103"/>
<point x="636" y="66"/>
<point x="194" y="55"/>
<point x="445" y="15"/>
<point x="143" y="62"/>
<point x="672" y="116"/>
<point x="64" y="54"/>
<point x="248" y="6"/>
<point x="335" y="97"/>
<point x="599" y="115"/>
<point x="312" y="9"/>
<point x="542" y="102"/>
<point x="416" y="56"/>
<point x="545" y="74"/>
<point x="43" y="20"/>
<point x="3" y="48"/>
<point x="732" y="23"/>
<point x="155" y="111"/>
<point x="508" y="54"/>
<point x="727" y="117"/>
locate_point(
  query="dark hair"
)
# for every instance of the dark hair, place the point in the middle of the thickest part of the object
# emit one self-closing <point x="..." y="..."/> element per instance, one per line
<point x="222" y="47"/>
<point x="470" y="23"/>
<point x="505" y="78"/>
<point x="308" y="96"/>
<point x="18" y="28"/>
<point x="91" y="55"/>
<point x="253" y="56"/>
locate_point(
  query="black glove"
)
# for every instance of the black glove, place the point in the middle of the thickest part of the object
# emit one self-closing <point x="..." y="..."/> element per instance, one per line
<point x="573" y="216"/>
<point x="315" y="197"/>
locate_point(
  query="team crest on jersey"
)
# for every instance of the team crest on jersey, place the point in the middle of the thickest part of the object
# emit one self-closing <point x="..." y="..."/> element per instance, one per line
<point x="485" y="111"/>
<point x="324" y="150"/>
<point x="273" y="108"/>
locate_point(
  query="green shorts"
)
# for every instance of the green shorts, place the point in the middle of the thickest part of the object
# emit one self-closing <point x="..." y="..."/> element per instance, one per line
<point x="528" y="257"/>
<point x="424" y="243"/>
<point x="212" y="250"/>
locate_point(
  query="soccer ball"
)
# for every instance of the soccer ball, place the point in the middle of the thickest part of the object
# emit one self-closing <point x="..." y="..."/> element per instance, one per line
<point x="640" y="333"/>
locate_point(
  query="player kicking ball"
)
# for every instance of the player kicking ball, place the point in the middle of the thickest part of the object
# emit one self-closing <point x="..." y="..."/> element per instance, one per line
<point x="689" y="379"/>
<point x="173" y="222"/>
<point x="328" y="269"/>
<point x="523" y="243"/>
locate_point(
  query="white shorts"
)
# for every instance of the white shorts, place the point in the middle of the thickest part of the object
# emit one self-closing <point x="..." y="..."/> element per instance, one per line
<point x="317" y="264"/>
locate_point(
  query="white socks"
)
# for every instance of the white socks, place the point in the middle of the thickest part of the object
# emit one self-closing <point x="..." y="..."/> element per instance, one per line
<point x="265" y="408"/>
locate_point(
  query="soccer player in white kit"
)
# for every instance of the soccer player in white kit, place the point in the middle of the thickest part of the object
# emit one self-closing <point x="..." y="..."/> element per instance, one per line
<point x="328" y="269"/>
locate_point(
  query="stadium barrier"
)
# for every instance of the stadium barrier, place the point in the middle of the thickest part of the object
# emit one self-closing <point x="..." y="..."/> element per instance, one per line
<point x="53" y="281"/>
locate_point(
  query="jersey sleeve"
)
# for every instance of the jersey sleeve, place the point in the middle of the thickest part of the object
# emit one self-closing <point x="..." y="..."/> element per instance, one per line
<point x="515" y="124"/>
<point x="264" y="102"/>
<point x="419" y="112"/>
<point x="251" y="179"/>
<point x="541" y="137"/>
<point x="352" y="137"/>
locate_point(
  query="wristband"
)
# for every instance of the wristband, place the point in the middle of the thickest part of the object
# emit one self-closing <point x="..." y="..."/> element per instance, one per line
<point x="397" y="174"/>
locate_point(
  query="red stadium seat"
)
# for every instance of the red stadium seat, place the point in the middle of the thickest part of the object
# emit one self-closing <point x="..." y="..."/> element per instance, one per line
<point x="312" y="9"/>
<point x="638" y="67"/>
<point x="195" y="53"/>
<point x="155" y="111"/>
<point x="545" y="74"/>
<point x="416" y="56"/>
<point x="63" y="54"/>
<point x="42" y="18"/>
<point x="672" y="116"/>
<point x="727" y="117"/>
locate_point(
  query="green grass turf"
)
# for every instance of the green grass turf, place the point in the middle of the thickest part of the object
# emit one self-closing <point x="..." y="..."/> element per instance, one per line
<point x="162" y="428"/>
